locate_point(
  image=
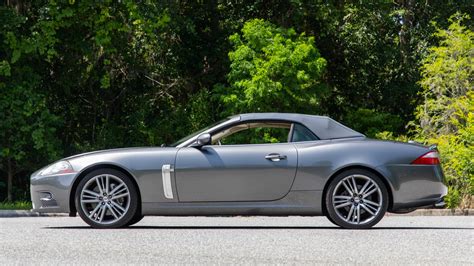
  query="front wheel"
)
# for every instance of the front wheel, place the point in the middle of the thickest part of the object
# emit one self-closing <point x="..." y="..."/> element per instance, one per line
<point x="106" y="198"/>
<point x="356" y="199"/>
<point x="137" y="218"/>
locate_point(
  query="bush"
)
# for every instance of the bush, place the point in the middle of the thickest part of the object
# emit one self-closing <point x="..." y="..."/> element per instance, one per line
<point x="457" y="157"/>
<point x="446" y="116"/>
<point x="371" y="122"/>
<point x="16" y="205"/>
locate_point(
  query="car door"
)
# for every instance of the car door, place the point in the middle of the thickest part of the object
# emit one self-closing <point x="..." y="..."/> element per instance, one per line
<point x="251" y="172"/>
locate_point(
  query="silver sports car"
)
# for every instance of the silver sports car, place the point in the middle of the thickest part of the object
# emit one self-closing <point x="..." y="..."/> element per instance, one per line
<point x="248" y="164"/>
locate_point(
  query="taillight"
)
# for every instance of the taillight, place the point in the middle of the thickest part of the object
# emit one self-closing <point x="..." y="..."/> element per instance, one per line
<point x="431" y="157"/>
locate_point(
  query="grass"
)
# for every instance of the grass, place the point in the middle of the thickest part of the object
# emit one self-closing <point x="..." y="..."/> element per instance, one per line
<point x="16" y="205"/>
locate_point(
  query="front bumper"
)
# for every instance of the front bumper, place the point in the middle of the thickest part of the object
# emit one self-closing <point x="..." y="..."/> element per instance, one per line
<point x="51" y="193"/>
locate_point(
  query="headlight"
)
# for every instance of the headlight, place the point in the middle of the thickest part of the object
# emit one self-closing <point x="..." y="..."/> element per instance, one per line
<point x="61" y="167"/>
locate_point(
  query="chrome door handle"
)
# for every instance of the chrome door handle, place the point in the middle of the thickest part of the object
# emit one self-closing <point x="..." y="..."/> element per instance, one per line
<point x="275" y="157"/>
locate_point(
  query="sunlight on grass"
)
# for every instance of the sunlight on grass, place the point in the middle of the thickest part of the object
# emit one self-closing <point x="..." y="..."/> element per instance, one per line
<point x="17" y="205"/>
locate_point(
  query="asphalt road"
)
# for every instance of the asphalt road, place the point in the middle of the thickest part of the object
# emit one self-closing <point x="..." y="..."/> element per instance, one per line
<point x="238" y="240"/>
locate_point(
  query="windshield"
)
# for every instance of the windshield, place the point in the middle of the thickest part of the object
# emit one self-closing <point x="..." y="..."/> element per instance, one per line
<point x="198" y="132"/>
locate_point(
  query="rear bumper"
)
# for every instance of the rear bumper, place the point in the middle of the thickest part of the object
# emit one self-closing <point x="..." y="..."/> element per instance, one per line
<point x="440" y="204"/>
<point x="50" y="194"/>
<point x="415" y="186"/>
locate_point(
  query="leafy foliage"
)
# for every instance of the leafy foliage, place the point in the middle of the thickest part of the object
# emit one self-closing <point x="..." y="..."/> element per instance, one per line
<point x="83" y="75"/>
<point x="448" y="74"/>
<point x="17" y="205"/>
<point x="457" y="151"/>
<point x="27" y="128"/>
<point x="372" y="122"/>
<point x="447" y="114"/>
<point x="273" y="69"/>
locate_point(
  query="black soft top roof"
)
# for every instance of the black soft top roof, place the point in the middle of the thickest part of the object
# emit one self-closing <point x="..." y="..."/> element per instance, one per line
<point x="323" y="126"/>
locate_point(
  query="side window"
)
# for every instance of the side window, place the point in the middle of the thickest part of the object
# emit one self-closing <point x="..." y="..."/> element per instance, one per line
<point x="253" y="133"/>
<point x="301" y="133"/>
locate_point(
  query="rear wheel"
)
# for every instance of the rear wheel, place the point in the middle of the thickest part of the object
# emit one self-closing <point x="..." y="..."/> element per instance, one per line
<point x="356" y="199"/>
<point x="107" y="198"/>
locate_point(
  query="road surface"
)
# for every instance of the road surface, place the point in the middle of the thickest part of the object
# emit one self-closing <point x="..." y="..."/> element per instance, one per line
<point x="238" y="240"/>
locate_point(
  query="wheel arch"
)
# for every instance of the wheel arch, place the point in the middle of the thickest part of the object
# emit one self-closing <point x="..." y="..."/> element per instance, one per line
<point x="87" y="170"/>
<point x="350" y="167"/>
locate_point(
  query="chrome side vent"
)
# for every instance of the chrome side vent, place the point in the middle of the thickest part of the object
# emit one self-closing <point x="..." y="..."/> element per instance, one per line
<point x="166" y="170"/>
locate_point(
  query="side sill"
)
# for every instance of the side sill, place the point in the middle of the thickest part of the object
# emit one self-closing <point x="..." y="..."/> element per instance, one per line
<point x="295" y="203"/>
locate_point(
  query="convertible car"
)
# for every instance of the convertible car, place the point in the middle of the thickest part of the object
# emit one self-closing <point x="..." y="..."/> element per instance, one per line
<point x="248" y="164"/>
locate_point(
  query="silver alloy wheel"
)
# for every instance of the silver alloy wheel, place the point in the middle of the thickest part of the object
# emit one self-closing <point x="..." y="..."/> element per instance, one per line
<point x="357" y="199"/>
<point x="105" y="199"/>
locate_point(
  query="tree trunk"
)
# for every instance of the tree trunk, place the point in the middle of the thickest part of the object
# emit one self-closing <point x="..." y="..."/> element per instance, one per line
<point x="406" y="28"/>
<point x="10" y="180"/>
<point x="21" y="6"/>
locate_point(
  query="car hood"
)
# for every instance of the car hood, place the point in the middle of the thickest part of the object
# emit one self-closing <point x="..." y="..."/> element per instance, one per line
<point x="118" y="150"/>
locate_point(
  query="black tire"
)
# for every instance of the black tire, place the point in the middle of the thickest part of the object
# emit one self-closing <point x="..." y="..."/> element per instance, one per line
<point x="331" y="220"/>
<point x="135" y="219"/>
<point x="127" y="217"/>
<point x="381" y="197"/>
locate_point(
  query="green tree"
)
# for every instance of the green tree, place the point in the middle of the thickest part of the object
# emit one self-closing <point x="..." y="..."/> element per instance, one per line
<point x="372" y="122"/>
<point x="457" y="154"/>
<point x="273" y="69"/>
<point x="128" y="73"/>
<point x="27" y="128"/>
<point x="446" y="116"/>
<point x="448" y="74"/>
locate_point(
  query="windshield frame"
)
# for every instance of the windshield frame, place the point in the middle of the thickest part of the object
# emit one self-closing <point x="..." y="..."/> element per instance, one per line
<point x="191" y="138"/>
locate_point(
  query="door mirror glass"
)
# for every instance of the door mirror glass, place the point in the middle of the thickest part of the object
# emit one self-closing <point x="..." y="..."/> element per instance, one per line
<point x="203" y="139"/>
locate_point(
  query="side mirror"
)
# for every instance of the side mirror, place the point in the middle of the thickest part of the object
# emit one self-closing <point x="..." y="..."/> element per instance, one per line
<point x="203" y="139"/>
